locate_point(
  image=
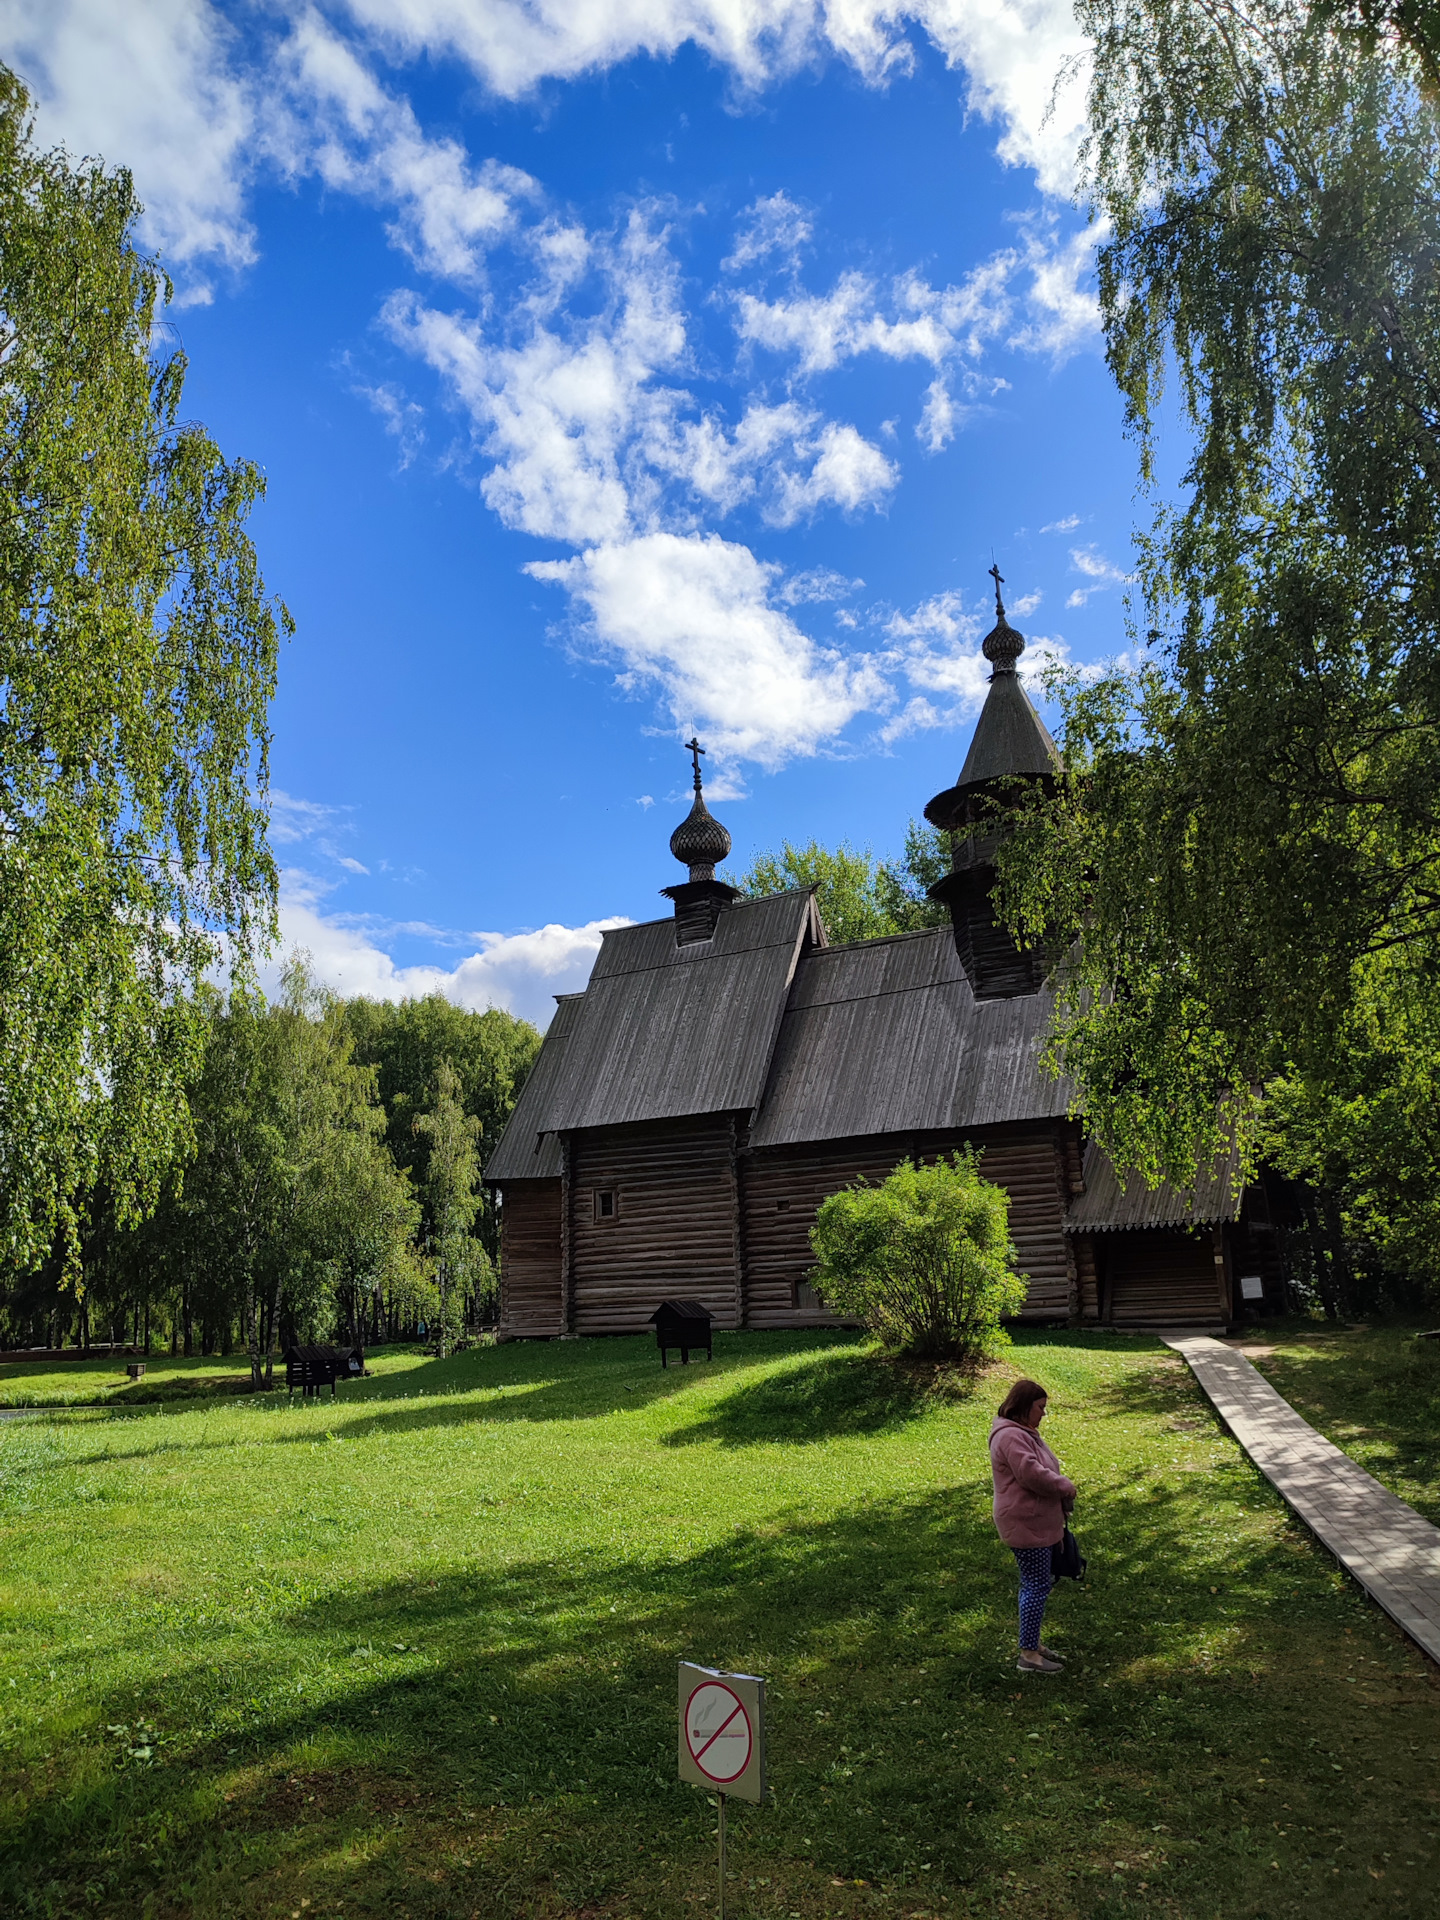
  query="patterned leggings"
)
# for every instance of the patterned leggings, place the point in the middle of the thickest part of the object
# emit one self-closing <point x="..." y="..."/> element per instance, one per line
<point x="1036" y="1581"/>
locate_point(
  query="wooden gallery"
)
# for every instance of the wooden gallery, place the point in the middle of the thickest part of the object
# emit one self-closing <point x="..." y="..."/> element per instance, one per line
<point x="726" y="1068"/>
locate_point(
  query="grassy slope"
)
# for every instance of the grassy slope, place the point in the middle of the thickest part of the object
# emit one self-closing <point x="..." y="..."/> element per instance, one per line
<point x="414" y="1653"/>
<point x="1375" y="1391"/>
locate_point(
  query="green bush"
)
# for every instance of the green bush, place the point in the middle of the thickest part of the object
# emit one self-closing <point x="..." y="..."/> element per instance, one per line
<point x="924" y="1259"/>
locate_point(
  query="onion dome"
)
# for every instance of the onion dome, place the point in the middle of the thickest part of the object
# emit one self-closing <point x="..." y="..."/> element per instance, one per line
<point x="1002" y="646"/>
<point x="699" y="842"/>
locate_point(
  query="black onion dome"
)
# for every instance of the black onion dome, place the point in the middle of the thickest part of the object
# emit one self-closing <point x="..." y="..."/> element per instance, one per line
<point x="700" y="842"/>
<point x="1003" y="646"/>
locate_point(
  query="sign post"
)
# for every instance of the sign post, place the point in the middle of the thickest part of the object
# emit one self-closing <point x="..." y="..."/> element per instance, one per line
<point x="722" y="1738"/>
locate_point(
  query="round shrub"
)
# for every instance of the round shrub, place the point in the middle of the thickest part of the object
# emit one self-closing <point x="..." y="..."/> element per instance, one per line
<point x="924" y="1259"/>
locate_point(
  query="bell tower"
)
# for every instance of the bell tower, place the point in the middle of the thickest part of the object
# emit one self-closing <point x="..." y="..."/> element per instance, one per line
<point x="1011" y="748"/>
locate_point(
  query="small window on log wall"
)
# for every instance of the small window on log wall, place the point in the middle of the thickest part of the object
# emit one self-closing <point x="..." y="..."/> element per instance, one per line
<point x="605" y="1208"/>
<point x="782" y="1206"/>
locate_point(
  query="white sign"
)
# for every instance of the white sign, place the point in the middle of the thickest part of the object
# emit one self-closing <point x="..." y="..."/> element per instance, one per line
<point x="1252" y="1287"/>
<point x="722" y="1731"/>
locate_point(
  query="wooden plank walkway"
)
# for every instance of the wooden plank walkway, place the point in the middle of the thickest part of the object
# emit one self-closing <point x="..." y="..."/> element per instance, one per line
<point x="1389" y="1548"/>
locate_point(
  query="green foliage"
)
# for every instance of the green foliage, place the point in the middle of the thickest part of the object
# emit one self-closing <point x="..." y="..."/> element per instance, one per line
<point x="1366" y="1139"/>
<point x="860" y="898"/>
<point x="291" y="1217"/>
<point x="1248" y="836"/>
<point x="137" y="659"/>
<point x="408" y="1043"/>
<point x="452" y="1200"/>
<point x="924" y="1259"/>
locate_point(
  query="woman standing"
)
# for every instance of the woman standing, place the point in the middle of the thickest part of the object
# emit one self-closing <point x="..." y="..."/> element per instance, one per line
<point x="1033" y="1498"/>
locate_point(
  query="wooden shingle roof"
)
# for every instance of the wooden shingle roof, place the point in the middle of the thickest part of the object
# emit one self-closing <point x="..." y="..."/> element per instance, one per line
<point x="886" y="1037"/>
<point x="527" y="1150"/>
<point x="1112" y="1205"/>
<point x="663" y="1031"/>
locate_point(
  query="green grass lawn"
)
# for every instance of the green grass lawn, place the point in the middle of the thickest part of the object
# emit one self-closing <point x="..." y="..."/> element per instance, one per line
<point x="413" y="1652"/>
<point x="103" y="1381"/>
<point x="1374" y="1390"/>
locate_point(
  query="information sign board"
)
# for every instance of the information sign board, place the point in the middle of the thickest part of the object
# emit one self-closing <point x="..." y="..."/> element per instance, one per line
<point x="722" y="1731"/>
<point x="1252" y="1286"/>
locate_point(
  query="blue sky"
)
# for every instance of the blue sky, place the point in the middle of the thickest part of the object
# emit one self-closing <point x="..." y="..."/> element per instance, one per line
<point x="618" y="367"/>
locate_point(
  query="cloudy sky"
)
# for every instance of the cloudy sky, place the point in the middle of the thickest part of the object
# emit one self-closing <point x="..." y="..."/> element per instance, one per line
<point x="619" y="367"/>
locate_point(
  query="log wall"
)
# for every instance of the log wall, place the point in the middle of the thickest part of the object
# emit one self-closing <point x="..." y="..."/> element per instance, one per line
<point x="1162" y="1278"/>
<point x="531" y="1302"/>
<point x="782" y="1188"/>
<point x="673" y="1232"/>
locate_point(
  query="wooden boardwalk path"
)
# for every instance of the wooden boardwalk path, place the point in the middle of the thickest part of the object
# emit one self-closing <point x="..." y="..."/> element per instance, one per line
<point x="1389" y="1548"/>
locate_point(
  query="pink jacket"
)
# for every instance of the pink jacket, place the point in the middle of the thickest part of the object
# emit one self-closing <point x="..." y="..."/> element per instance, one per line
<point x="1031" y="1493"/>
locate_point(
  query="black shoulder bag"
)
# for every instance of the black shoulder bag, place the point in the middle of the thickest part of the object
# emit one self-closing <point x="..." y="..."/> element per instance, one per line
<point x="1066" y="1560"/>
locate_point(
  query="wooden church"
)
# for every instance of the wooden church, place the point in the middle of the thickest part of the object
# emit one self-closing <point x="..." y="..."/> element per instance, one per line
<point x="727" y="1067"/>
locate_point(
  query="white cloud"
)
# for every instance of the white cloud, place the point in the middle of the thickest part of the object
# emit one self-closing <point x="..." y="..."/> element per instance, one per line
<point x="199" y="109"/>
<point x="939" y="418"/>
<point x="519" y="972"/>
<point x="1012" y="50"/>
<point x="402" y="417"/>
<point x="937" y="648"/>
<point x="293" y="820"/>
<point x="1061" y="303"/>
<point x="572" y="354"/>
<point x="910" y="320"/>
<point x="1067" y="525"/>
<point x="1098" y="571"/>
<point x="357" y="137"/>
<point x="694" y="617"/>
<point x="1035" y="296"/>
<point x="156" y="85"/>
<point x="944" y="616"/>
<point x="817" y="584"/>
<point x="771" y="225"/>
<point x="788" y="458"/>
<point x="574" y="388"/>
<point x="568" y="401"/>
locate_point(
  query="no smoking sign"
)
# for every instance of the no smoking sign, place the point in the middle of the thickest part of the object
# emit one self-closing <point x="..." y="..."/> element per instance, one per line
<point x="722" y="1731"/>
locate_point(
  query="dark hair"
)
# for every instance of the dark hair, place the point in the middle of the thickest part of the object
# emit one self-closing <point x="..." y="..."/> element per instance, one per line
<point x="1020" y="1399"/>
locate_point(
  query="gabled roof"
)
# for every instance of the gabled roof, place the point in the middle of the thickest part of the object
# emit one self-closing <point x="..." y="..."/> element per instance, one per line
<point x="526" y="1149"/>
<point x="886" y="1037"/>
<point x="1111" y="1205"/>
<point x="664" y="1031"/>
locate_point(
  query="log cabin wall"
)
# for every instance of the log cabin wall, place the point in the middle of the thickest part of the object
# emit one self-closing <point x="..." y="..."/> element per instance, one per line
<point x="782" y="1188"/>
<point x="1159" y="1277"/>
<point x="531" y="1299"/>
<point x="672" y="1230"/>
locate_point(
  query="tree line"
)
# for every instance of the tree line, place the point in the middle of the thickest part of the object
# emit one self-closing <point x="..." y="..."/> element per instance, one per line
<point x="332" y="1190"/>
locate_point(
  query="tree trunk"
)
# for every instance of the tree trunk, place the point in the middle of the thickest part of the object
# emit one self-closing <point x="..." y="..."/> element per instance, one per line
<point x="252" y="1336"/>
<point x="270" y="1341"/>
<point x="1338" y="1251"/>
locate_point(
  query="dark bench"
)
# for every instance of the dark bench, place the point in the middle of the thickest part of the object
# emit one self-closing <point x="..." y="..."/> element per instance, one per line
<point x="311" y="1368"/>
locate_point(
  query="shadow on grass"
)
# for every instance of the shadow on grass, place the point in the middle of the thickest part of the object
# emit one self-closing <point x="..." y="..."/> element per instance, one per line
<point x="822" y="1397"/>
<point x="539" y="1699"/>
<point x="586" y="1380"/>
